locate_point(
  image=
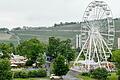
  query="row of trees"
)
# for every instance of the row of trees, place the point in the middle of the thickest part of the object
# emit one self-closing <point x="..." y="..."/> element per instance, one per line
<point x="33" y="49"/>
<point x="59" y="51"/>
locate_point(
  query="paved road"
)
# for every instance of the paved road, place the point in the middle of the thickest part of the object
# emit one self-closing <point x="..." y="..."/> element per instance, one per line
<point x="71" y="76"/>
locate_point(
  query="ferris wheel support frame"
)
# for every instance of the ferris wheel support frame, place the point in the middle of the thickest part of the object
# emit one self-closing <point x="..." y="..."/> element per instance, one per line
<point x="91" y="39"/>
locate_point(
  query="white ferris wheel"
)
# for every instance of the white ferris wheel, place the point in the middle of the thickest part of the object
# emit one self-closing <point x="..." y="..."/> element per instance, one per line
<point x="97" y="33"/>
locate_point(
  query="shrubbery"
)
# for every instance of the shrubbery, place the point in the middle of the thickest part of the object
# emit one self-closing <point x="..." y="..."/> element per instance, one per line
<point x="100" y="73"/>
<point x="29" y="63"/>
<point x="5" y="70"/>
<point x="30" y="74"/>
<point x="85" y="74"/>
<point x="118" y="73"/>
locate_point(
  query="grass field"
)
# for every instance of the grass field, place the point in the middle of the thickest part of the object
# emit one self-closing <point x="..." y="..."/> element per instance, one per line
<point x="85" y="78"/>
<point x="112" y="77"/>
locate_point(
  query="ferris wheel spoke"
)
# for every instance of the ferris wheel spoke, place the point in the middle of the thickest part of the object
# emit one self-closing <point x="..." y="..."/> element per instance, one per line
<point x="98" y="21"/>
<point x="99" y="48"/>
<point x="101" y="16"/>
<point x="102" y="46"/>
<point x="88" y="24"/>
<point x="96" y="52"/>
<point x="81" y="51"/>
<point x="99" y="13"/>
<point x="104" y="51"/>
<point x="102" y="23"/>
<point x="105" y="43"/>
<point x="96" y="12"/>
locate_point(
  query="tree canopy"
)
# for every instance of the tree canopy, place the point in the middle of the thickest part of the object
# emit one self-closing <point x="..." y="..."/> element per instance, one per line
<point x="60" y="66"/>
<point x="31" y="49"/>
<point x="116" y="57"/>
<point x="57" y="47"/>
<point x="5" y="70"/>
<point x="100" y="73"/>
<point x="6" y="49"/>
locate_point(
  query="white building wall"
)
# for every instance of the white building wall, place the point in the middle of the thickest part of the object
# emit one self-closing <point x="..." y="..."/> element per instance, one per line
<point x="118" y="43"/>
<point x="78" y="41"/>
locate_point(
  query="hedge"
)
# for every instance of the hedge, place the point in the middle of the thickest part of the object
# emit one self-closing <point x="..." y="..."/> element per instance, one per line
<point x="30" y="74"/>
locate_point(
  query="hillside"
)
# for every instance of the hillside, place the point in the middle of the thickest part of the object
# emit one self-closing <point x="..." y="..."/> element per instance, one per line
<point x="62" y="31"/>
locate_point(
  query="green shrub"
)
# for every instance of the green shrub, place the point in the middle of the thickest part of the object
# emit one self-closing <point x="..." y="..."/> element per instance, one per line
<point x="33" y="73"/>
<point x="85" y="74"/>
<point x="16" y="74"/>
<point x="118" y="73"/>
<point x="21" y="74"/>
<point x="24" y="74"/>
<point x="42" y="73"/>
<point x="30" y="74"/>
<point x="37" y="73"/>
<point x="29" y="63"/>
<point x="100" y="74"/>
<point x="5" y="70"/>
<point x="118" y="77"/>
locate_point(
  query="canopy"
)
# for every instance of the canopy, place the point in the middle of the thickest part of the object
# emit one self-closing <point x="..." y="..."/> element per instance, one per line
<point x="90" y="62"/>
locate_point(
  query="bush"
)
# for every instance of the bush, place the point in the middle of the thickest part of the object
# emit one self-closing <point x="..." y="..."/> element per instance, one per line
<point x="21" y="74"/>
<point x="85" y="74"/>
<point x="30" y="74"/>
<point x="100" y="73"/>
<point x="118" y="77"/>
<point x="42" y="73"/>
<point x="29" y="63"/>
<point x="118" y="73"/>
<point x="5" y="70"/>
<point x="37" y="73"/>
<point x="24" y="74"/>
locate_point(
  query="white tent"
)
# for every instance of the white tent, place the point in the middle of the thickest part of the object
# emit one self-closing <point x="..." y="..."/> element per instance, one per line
<point x="87" y="62"/>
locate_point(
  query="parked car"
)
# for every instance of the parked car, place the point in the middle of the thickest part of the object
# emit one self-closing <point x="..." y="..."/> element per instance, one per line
<point x="53" y="77"/>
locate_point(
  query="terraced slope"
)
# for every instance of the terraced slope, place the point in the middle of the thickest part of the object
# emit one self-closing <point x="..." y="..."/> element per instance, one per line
<point x="43" y="34"/>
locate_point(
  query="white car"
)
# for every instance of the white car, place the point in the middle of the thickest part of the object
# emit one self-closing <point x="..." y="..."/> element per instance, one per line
<point x="53" y="77"/>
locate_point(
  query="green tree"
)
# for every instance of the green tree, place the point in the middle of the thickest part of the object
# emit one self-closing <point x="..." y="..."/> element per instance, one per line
<point x="31" y="49"/>
<point x="65" y="49"/>
<point x="53" y="47"/>
<point x="60" y="66"/>
<point x="100" y="74"/>
<point x="57" y="47"/>
<point x="41" y="60"/>
<point x="116" y="57"/>
<point x="6" y="49"/>
<point x="5" y="70"/>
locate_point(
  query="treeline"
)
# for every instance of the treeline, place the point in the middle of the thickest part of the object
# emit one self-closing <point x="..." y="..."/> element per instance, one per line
<point x="59" y="51"/>
<point x="66" y="23"/>
<point x="41" y="27"/>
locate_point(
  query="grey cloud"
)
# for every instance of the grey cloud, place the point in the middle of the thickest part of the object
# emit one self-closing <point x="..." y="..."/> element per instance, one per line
<point x="45" y="12"/>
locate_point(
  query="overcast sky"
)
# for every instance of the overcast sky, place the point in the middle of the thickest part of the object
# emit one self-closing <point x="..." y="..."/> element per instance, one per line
<point x="15" y="13"/>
